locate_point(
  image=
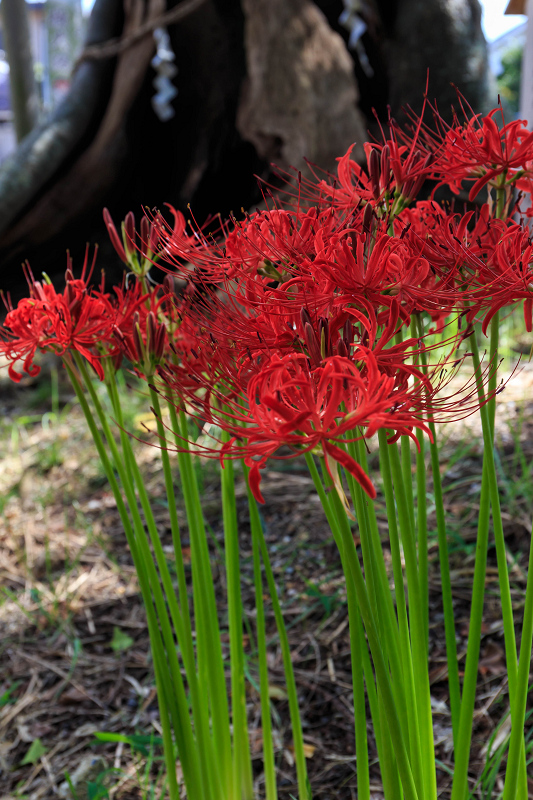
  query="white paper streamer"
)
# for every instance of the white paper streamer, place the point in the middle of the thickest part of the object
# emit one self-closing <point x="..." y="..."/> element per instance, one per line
<point x="163" y="64"/>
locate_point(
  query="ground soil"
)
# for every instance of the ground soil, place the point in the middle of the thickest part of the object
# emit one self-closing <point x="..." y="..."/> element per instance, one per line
<point x="70" y="593"/>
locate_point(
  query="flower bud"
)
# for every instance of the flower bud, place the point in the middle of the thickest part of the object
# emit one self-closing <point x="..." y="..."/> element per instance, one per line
<point x="151" y="330"/>
<point x="368" y="214"/>
<point x="385" y="167"/>
<point x="305" y="317"/>
<point x="113" y="235"/>
<point x="342" y="350"/>
<point x="155" y="233"/>
<point x="145" y="235"/>
<point x="312" y="344"/>
<point x="138" y="343"/>
<point x="325" y="338"/>
<point x="373" y="168"/>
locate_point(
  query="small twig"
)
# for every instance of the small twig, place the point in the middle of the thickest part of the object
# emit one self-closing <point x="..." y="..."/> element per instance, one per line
<point x="114" y="47"/>
<point x="62" y="674"/>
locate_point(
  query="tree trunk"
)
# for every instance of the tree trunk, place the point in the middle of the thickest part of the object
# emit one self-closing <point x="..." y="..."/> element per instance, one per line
<point x="24" y="95"/>
<point x="258" y="81"/>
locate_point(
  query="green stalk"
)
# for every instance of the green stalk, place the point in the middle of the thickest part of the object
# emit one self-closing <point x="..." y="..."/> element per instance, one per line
<point x="463" y="735"/>
<point x="242" y="765"/>
<point x="515" y="760"/>
<point x="335" y="518"/>
<point x="209" y="648"/>
<point x="357" y="640"/>
<point x="422" y="528"/>
<point x="405" y="447"/>
<point x="489" y="498"/>
<point x="176" y="702"/>
<point x="210" y="767"/>
<point x="446" y="586"/>
<point x="264" y="687"/>
<point x="421" y="496"/>
<point x="444" y="565"/>
<point x="488" y="413"/>
<point x="357" y="645"/>
<point x="407" y="470"/>
<point x="382" y="598"/>
<point x="304" y="792"/>
<point x="418" y="631"/>
<point x="411" y="721"/>
<point x="199" y="706"/>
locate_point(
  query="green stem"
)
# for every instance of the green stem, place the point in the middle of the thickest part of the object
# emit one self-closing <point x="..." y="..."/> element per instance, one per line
<point x="335" y="519"/>
<point x="264" y="686"/>
<point x="199" y="706"/>
<point x="292" y="693"/>
<point x="209" y="649"/>
<point x="489" y="498"/>
<point x="418" y="630"/>
<point x="176" y="702"/>
<point x="242" y="765"/>
<point x="357" y="641"/>
<point x="516" y="757"/>
<point x="410" y="723"/>
<point x="444" y="565"/>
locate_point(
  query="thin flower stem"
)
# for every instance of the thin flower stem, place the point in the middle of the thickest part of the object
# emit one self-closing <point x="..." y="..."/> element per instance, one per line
<point x="516" y="757"/>
<point x="178" y="707"/>
<point x="444" y="566"/>
<point x="266" y="722"/>
<point x="209" y="781"/>
<point x="207" y="628"/>
<point x="409" y="704"/>
<point x="489" y="498"/>
<point x="382" y="674"/>
<point x="173" y="515"/>
<point x="405" y="447"/>
<point x="407" y="470"/>
<point x="389" y="636"/>
<point x="242" y="765"/>
<point x="463" y="735"/>
<point x="446" y="586"/>
<point x="357" y="644"/>
<point x="488" y="413"/>
<point x="421" y="499"/>
<point x="374" y="562"/>
<point x="304" y="792"/>
<point x="199" y="706"/>
<point x="418" y="631"/>
<point x="422" y="528"/>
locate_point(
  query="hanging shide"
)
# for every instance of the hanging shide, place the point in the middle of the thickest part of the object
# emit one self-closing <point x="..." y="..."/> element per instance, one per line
<point x="348" y="316"/>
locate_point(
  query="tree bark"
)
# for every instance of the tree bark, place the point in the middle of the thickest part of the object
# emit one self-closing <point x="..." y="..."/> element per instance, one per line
<point x="51" y="143"/>
<point x="299" y="100"/>
<point x="24" y="95"/>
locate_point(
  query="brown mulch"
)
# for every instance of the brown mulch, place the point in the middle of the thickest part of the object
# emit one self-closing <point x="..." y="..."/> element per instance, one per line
<point x="69" y="586"/>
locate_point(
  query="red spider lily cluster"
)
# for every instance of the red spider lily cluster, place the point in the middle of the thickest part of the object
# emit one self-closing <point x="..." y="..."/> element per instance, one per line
<point x="300" y="326"/>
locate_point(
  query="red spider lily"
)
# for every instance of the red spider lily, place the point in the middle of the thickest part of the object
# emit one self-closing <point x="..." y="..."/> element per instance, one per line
<point x="487" y="259"/>
<point x="506" y="277"/>
<point x="50" y="321"/>
<point x="128" y="248"/>
<point x="352" y="188"/>
<point x="186" y="251"/>
<point x="275" y="241"/>
<point x="479" y="151"/>
<point x="375" y="271"/>
<point x="395" y="176"/>
<point x="287" y="402"/>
